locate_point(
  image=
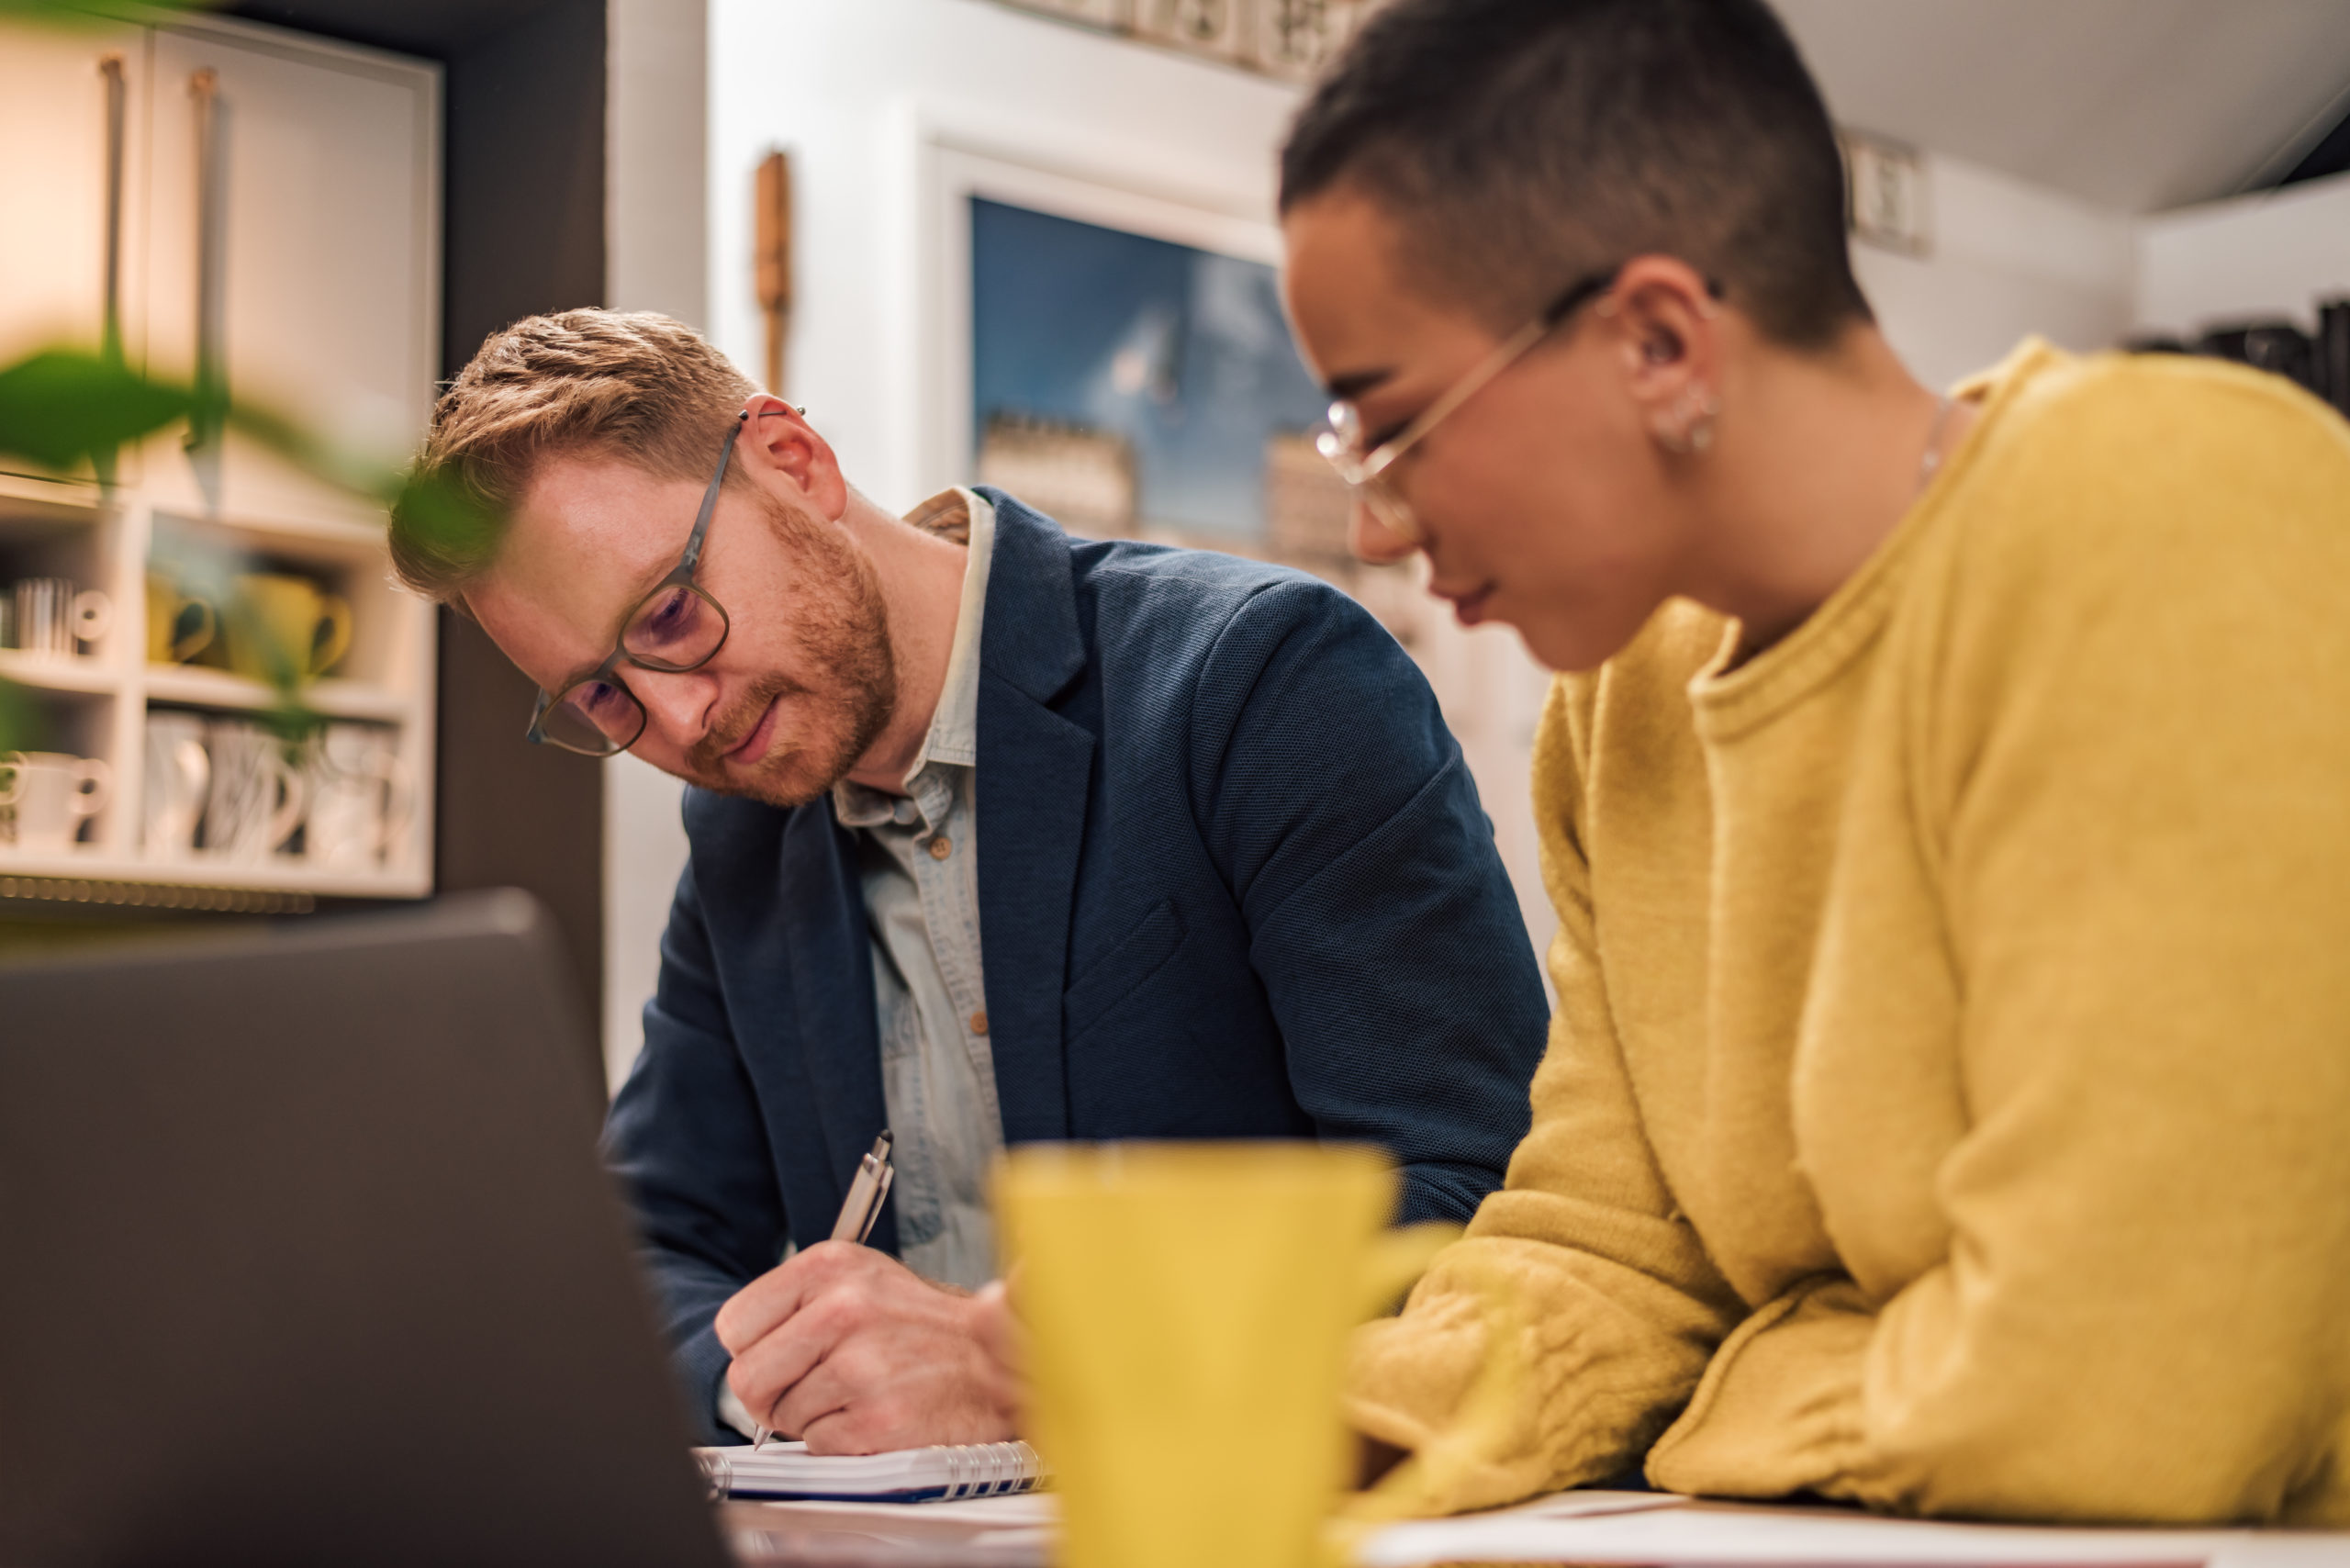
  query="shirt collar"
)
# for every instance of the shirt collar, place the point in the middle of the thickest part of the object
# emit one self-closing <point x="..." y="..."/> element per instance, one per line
<point x="954" y="733"/>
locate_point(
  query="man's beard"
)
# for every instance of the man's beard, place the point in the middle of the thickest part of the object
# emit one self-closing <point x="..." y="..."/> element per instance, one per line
<point x="844" y="646"/>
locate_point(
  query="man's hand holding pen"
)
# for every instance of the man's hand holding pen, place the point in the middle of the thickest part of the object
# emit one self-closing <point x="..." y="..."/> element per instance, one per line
<point x="853" y="1352"/>
<point x="850" y="1351"/>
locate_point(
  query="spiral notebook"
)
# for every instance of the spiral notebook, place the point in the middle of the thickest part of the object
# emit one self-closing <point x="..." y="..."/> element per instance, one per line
<point x="904" y="1475"/>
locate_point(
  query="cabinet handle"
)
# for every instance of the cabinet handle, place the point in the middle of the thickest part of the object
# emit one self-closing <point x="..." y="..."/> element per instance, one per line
<point x="111" y="320"/>
<point x="211" y="381"/>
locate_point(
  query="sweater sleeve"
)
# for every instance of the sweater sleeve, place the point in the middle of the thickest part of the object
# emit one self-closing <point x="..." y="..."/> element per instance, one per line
<point x="2138" y="788"/>
<point x="1580" y="1259"/>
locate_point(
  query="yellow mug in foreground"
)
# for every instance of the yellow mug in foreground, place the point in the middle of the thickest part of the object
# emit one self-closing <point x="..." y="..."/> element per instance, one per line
<point x="1187" y="1308"/>
<point x="283" y="626"/>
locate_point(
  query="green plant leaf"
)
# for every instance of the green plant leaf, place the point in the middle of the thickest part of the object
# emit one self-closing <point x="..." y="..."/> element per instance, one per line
<point x="443" y="513"/>
<point x="19" y="728"/>
<point x="63" y="406"/>
<point x="293" y="721"/>
<point x="83" y="13"/>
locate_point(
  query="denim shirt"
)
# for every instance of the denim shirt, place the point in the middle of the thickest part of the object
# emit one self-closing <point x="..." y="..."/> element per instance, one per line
<point x="918" y="861"/>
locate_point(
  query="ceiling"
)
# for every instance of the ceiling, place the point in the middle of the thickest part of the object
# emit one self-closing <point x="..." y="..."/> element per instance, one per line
<point x="2135" y="105"/>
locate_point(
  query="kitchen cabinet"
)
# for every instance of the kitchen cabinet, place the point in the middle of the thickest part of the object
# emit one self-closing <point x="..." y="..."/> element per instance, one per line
<point x="292" y="247"/>
<point x="73" y="113"/>
<point x="236" y="203"/>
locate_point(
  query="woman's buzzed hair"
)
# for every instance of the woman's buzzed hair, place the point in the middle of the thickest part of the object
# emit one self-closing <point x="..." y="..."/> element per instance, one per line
<point x="1521" y="144"/>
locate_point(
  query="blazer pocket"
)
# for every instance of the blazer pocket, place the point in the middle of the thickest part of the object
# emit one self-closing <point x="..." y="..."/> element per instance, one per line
<point x="1109" y="978"/>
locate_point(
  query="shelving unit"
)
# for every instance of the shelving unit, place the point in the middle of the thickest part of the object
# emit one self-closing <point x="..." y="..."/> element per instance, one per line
<point x="187" y="686"/>
<point x="96" y="703"/>
<point x="239" y="205"/>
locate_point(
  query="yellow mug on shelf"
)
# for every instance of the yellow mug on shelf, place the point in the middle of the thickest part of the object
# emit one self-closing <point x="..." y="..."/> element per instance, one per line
<point x="178" y="627"/>
<point x="1186" y="1308"/>
<point x="282" y="624"/>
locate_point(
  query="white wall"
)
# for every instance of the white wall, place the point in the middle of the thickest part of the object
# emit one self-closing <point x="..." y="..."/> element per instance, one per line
<point x="2269" y="254"/>
<point x="847" y="89"/>
<point x="645" y="850"/>
<point x="2007" y="258"/>
<point x="844" y="87"/>
<point x="655" y="258"/>
<point x="657" y="136"/>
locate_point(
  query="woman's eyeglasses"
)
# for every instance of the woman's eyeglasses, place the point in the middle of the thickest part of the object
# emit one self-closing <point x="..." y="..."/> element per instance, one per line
<point x="1370" y="474"/>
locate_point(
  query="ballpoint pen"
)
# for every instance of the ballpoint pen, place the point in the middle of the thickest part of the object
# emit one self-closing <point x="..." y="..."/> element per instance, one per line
<point x="859" y="1210"/>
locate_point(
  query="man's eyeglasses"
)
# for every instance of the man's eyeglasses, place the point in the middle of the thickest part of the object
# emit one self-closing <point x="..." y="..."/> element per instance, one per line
<point x="1371" y="474"/>
<point x="676" y="627"/>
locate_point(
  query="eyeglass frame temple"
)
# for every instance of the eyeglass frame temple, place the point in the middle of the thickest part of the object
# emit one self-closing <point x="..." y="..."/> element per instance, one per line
<point x="1506" y="353"/>
<point x="710" y="499"/>
<point x="692" y="556"/>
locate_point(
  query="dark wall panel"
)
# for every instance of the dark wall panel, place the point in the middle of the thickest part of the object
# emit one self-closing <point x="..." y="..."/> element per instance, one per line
<point x="513" y="814"/>
<point x="525" y="192"/>
<point x="523" y="231"/>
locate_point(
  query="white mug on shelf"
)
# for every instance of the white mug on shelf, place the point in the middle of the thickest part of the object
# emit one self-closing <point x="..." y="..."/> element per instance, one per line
<point x="179" y="775"/>
<point x="360" y="797"/>
<point x="52" y="617"/>
<point x="50" y="794"/>
<point x="256" y="796"/>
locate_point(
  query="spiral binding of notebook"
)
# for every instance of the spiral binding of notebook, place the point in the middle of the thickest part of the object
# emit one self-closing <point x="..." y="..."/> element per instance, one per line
<point x="788" y="1471"/>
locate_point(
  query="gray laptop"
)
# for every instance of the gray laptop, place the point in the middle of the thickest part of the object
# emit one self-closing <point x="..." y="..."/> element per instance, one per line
<point x="306" y="1256"/>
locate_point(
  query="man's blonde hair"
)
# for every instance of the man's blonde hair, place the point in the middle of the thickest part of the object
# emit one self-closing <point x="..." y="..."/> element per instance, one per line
<point x="639" y="387"/>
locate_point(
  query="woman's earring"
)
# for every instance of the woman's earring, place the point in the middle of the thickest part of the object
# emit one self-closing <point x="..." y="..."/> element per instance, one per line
<point x="1701" y="428"/>
<point x="1688" y="428"/>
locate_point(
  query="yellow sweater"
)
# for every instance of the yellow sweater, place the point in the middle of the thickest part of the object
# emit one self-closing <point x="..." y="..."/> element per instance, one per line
<point x="1948" y="1105"/>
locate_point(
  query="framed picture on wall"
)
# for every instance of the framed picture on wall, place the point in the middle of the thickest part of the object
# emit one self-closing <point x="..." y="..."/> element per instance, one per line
<point x="1105" y="338"/>
<point x="1120" y="360"/>
<point x="1140" y="382"/>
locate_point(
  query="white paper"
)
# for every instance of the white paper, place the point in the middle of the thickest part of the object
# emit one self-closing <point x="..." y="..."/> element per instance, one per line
<point x="1726" y="1534"/>
<point x="788" y="1470"/>
<point x="1016" y="1510"/>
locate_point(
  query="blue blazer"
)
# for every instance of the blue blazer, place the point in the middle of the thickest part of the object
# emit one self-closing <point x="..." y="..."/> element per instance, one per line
<point x="1236" y="884"/>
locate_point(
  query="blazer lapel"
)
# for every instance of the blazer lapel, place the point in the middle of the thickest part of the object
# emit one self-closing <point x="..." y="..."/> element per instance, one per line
<point x="1034" y="780"/>
<point x="831" y="958"/>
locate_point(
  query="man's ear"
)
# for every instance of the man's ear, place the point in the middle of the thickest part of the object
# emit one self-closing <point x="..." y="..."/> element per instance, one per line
<point x="1667" y="327"/>
<point x="779" y="446"/>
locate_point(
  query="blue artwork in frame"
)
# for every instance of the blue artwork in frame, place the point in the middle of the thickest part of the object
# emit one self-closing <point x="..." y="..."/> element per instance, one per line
<point x="1180" y="352"/>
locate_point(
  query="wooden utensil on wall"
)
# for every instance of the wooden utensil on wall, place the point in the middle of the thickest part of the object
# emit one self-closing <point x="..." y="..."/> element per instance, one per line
<point x="773" y="229"/>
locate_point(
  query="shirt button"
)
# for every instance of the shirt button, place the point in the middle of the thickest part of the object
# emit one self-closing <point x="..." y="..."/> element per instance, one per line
<point x="979" y="1022"/>
<point x="941" y="847"/>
